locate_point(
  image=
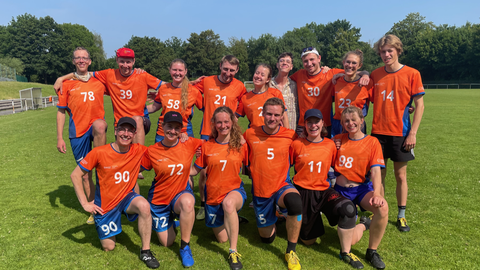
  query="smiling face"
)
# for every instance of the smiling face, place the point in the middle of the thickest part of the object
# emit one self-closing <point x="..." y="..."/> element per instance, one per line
<point x="125" y="134"/>
<point x="227" y="71"/>
<point x="262" y="76"/>
<point x="272" y="115"/>
<point x="285" y="64"/>
<point x="352" y="123"/>
<point x="178" y="72"/>
<point x="223" y="123"/>
<point x="171" y="131"/>
<point x="313" y="125"/>
<point x="311" y="63"/>
<point x="125" y="65"/>
<point x="81" y="60"/>
<point x="351" y="64"/>
<point x="389" y="55"/>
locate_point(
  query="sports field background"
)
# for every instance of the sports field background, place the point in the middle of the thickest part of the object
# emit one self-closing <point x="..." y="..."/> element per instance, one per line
<point x="42" y="225"/>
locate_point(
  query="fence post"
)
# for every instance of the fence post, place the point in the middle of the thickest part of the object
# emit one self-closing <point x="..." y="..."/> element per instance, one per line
<point x="26" y="105"/>
<point x="13" y="106"/>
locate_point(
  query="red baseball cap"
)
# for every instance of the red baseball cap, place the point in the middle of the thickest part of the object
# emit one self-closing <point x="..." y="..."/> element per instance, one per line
<point x="125" y="53"/>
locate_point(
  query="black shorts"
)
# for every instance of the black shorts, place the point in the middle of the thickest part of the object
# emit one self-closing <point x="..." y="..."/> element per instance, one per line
<point x="314" y="202"/>
<point x="392" y="147"/>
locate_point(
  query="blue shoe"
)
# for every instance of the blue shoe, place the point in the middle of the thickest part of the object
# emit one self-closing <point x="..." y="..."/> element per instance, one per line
<point x="186" y="254"/>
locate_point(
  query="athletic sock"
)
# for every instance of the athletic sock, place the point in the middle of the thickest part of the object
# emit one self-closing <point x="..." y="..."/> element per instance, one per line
<point x="401" y="211"/>
<point x="183" y="244"/>
<point x="291" y="246"/>
<point x="370" y="251"/>
<point x="202" y="204"/>
<point x="144" y="250"/>
<point x="232" y="250"/>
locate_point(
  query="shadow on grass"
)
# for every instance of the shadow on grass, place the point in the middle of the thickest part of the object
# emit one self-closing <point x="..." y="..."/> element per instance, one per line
<point x="89" y="232"/>
<point x="66" y="196"/>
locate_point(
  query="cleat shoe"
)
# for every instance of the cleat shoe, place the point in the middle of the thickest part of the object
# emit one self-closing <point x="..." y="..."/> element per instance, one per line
<point x="201" y="214"/>
<point x="402" y="225"/>
<point x="351" y="259"/>
<point x="365" y="221"/>
<point x="293" y="261"/>
<point x="90" y="220"/>
<point x="250" y="204"/>
<point x="374" y="259"/>
<point x="186" y="255"/>
<point x="234" y="261"/>
<point x="148" y="258"/>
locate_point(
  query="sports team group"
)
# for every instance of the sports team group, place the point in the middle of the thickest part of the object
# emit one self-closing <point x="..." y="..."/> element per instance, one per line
<point x="312" y="120"/>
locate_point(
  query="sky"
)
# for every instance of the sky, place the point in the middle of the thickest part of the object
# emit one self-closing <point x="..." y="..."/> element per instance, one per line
<point x="118" y="21"/>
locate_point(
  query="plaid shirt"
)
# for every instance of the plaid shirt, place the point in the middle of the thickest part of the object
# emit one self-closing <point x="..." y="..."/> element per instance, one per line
<point x="290" y="96"/>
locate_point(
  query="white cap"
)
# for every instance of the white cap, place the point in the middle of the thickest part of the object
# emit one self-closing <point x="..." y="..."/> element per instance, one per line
<point x="309" y="50"/>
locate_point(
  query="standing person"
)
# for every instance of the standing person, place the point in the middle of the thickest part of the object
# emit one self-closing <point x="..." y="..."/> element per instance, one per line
<point x="287" y="86"/>
<point x="179" y="96"/>
<point x="218" y="90"/>
<point x="313" y="85"/>
<point x="313" y="156"/>
<point x="348" y="92"/>
<point x="87" y="116"/>
<point x="359" y="162"/>
<point x="222" y="156"/>
<point x="395" y="86"/>
<point x="251" y="104"/>
<point x="115" y="164"/>
<point x="128" y="90"/>
<point x="268" y="149"/>
<point x="170" y="194"/>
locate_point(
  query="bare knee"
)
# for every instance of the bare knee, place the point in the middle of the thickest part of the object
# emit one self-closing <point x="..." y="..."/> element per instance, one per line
<point x="229" y="206"/>
<point x="309" y="242"/>
<point x="108" y="246"/>
<point x="187" y="204"/>
<point x="99" y="127"/>
<point x="381" y="211"/>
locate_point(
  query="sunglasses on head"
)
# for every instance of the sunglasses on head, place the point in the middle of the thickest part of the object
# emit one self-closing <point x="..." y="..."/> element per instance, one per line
<point x="308" y="49"/>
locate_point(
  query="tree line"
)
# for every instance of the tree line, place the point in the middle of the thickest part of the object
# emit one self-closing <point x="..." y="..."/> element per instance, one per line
<point x="40" y="48"/>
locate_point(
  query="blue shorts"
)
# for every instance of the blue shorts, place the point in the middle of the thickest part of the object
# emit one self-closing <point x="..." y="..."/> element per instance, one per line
<point x="205" y="137"/>
<point x="265" y="207"/>
<point x="159" y="138"/>
<point x="110" y="224"/>
<point x="214" y="216"/>
<point x="164" y="215"/>
<point x="81" y="146"/>
<point x="336" y="127"/>
<point x="355" y="194"/>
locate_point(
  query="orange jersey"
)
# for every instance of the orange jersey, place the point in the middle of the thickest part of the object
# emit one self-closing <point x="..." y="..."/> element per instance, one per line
<point x="251" y="105"/>
<point x="269" y="160"/>
<point x="128" y="94"/>
<point x="217" y="94"/>
<point x="170" y="97"/>
<point x="312" y="162"/>
<point x="356" y="157"/>
<point x="172" y="169"/>
<point x="350" y="94"/>
<point x="116" y="172"/>
<point x="392" y="95"/>
<point x="313" y="93"/>
<point x="84" y="104"/>
<point x="223" y="169"/>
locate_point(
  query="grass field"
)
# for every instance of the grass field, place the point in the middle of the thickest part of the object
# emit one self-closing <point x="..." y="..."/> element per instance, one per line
<point x="42" y="225"/>
<point x="9" y="90"/>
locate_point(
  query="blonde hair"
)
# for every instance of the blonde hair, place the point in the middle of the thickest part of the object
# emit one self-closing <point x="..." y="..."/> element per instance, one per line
<point x="230" y="59"/>
<point x="352" y="109"/>
<point x="391" y="40"/>
<point x="185" y="83"/>
<point x="235" y="131"/>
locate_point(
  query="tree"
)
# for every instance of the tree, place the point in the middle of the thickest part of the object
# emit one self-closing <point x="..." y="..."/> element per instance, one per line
<point x="262" y="50"/>
<point x="13" y="62"/>
<point x="79" y="36"/>
<point x="177" y="45"/>
<point x="203" y="53"/>
<point x="238" y="47"/>
<point x="296" y="40"/>
<point x="39" y="44"/>
<point x="409" y="30"/>
<point x="344" y="41"/>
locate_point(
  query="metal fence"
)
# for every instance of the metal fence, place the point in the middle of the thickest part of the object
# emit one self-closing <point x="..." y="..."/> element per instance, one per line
<point x="8" y="73"/>
<point x="451" y="86"/>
